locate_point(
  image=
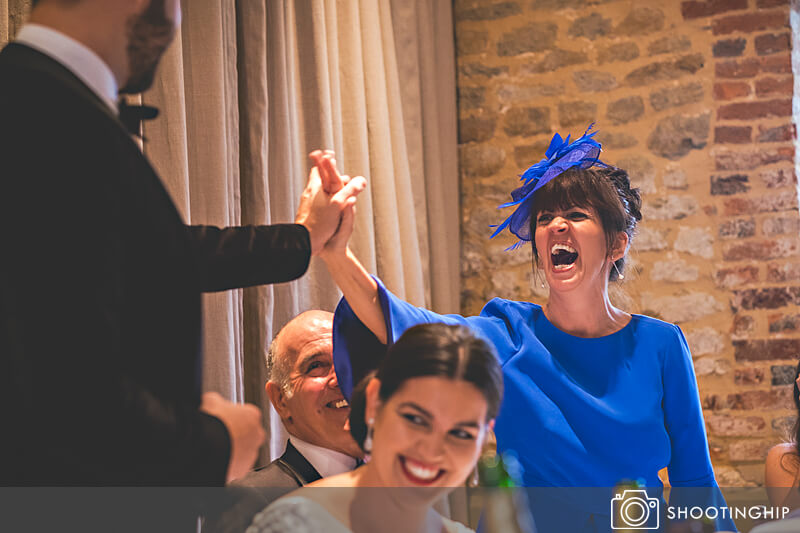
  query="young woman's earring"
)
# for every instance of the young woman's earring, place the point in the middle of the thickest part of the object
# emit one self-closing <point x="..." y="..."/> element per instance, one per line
<point x="368" y="440"/>
<point x="619" y="274"/>
<point x="475" y="478"/>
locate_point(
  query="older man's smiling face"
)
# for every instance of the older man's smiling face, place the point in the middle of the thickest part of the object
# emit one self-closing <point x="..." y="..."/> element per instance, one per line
<point x="314" y="410"/>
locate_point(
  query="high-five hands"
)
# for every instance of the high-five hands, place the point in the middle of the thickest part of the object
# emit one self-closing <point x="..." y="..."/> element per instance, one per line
<point x="328" y="201"/>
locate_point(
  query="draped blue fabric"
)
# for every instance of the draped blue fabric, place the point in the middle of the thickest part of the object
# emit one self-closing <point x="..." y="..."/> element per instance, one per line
<point x="578" y="412"/>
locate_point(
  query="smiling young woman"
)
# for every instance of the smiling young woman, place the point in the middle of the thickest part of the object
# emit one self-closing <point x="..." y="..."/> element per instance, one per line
<point x="423" y="417"/>
<point x="594" y="395"/>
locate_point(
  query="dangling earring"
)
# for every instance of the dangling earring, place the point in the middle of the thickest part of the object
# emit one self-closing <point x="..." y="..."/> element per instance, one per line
<point x="619" y="274"/>
<point x="368" y="440"/>
<point x="475" y="478"/>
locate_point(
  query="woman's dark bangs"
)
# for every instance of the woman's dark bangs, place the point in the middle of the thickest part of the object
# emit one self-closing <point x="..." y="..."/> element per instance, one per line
<point x="570" y="189"/>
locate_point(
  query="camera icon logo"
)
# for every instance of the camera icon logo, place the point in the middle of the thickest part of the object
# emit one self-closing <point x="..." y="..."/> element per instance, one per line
<point x="634" y="509"/>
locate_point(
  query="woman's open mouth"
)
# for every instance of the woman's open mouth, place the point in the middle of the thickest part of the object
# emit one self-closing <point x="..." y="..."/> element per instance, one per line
<point x="563" y="256"/>
<point x="420" y="473"/>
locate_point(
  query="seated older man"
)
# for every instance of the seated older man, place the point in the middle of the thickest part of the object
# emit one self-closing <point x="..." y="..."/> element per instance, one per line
<point x="303" y="389"/>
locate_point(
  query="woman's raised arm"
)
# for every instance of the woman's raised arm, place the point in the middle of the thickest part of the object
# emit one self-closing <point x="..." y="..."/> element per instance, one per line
<point x="357" y="286"/>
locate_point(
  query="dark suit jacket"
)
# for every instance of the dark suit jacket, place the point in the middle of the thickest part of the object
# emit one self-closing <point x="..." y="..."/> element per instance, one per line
<point x="100" y="285"/>
<point x="247" y="496"/>
<point x="289" y="470"/>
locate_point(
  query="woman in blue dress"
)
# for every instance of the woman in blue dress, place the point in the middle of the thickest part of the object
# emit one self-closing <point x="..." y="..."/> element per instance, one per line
<point x="593" y="394"/>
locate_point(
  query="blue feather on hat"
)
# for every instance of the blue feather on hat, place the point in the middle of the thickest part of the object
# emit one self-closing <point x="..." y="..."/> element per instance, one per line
<point x="561" y="155"/>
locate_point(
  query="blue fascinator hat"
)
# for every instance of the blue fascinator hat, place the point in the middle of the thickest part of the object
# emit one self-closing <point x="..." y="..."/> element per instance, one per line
<point x="562" y="155"/>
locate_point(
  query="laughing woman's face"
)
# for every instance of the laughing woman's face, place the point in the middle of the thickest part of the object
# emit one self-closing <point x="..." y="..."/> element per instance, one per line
<point x="571" y="245"/>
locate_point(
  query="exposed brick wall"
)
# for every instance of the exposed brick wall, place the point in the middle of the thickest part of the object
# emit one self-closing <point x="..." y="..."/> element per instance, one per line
<point x="694" y="98"/>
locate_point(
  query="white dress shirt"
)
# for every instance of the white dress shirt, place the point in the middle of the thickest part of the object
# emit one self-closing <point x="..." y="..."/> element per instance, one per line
<point x="79" y="59"/>
<point x="324" y="460"/>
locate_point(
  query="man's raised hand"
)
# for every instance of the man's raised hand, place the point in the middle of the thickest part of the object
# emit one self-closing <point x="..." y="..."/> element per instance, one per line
<point x="321" y="211"/>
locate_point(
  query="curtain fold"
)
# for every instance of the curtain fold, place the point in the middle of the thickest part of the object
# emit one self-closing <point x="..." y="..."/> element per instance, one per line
<point x="248" y="89"/>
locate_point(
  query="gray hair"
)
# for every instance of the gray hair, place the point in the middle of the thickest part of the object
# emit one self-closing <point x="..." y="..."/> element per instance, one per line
<point x="279" y="366"/>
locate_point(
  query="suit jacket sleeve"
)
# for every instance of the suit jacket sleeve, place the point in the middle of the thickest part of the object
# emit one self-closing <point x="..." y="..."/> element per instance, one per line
<point x="83" y="408"/>
<point x="244" y="256"/>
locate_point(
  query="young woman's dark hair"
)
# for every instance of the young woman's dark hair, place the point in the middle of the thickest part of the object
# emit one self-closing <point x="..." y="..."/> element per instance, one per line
<point x="796" y="394"/>
<point x="606" y="190"/>
<point x="432" y="350"/>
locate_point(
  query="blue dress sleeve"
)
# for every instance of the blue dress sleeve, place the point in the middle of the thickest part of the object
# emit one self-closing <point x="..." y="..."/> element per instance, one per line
<point x="356" y="350"/>
<point x="691" y="475"/>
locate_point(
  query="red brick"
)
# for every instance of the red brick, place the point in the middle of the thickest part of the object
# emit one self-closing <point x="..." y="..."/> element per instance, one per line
<point x="771" y="43"/>
<point x="714" y="402"/>
<point x="784" y="153"/>
<point x="741" y="160"/>
<point x="728" y="185"/>
<point x="737" y="228"/>
<point x="738" y="68"/>
<point x="716" y="450"/>
<point x="782" y="425"/>
<point x="775" y="86"/>
<point x="748" y="375"/>
<point x="695" y="9"/>
<point x="780" y="398"/>
<point x="728" y="278"/>
<point x="734" y="426"/>
<point x="751" y="110"/>
<point x="776" y="134"/>
<point x="728" y="90"/>
<point x="769" y="298"/>
<point x="781" y="225"/>
<point x="776" y="178"/>
<point x="783" y="273"/>
<point x="738" y="161"/>
<point x="710" y="210"/>
<point x="749" y="450"/>
<point x="759" y="250"/>
<point x="779" y="323"/>
<point x="729" y="47"/>
<point x="750" y="22"/>
<point x="732" y="134"/>
<point x="777" y="64"/>
<point x="772" y="3"/>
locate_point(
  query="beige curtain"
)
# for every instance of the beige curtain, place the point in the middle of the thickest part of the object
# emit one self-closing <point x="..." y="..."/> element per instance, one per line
<point x="248" y="89"/>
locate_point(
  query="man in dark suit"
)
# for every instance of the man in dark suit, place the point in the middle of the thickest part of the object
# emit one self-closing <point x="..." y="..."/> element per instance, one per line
<point x="100" y="279"/>
<point x="303" y="389"/>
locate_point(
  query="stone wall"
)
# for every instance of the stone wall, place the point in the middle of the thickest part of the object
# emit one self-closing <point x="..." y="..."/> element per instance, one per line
<point x="13" y="14"/>
<point x="694" y="98"/>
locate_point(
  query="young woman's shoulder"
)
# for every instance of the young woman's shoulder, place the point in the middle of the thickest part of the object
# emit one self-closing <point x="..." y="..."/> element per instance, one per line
<point x="782" y="465"/>
<point x="781" y="474"/>
<point x="451" y="526"/>
<point x="296" y="514"/>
